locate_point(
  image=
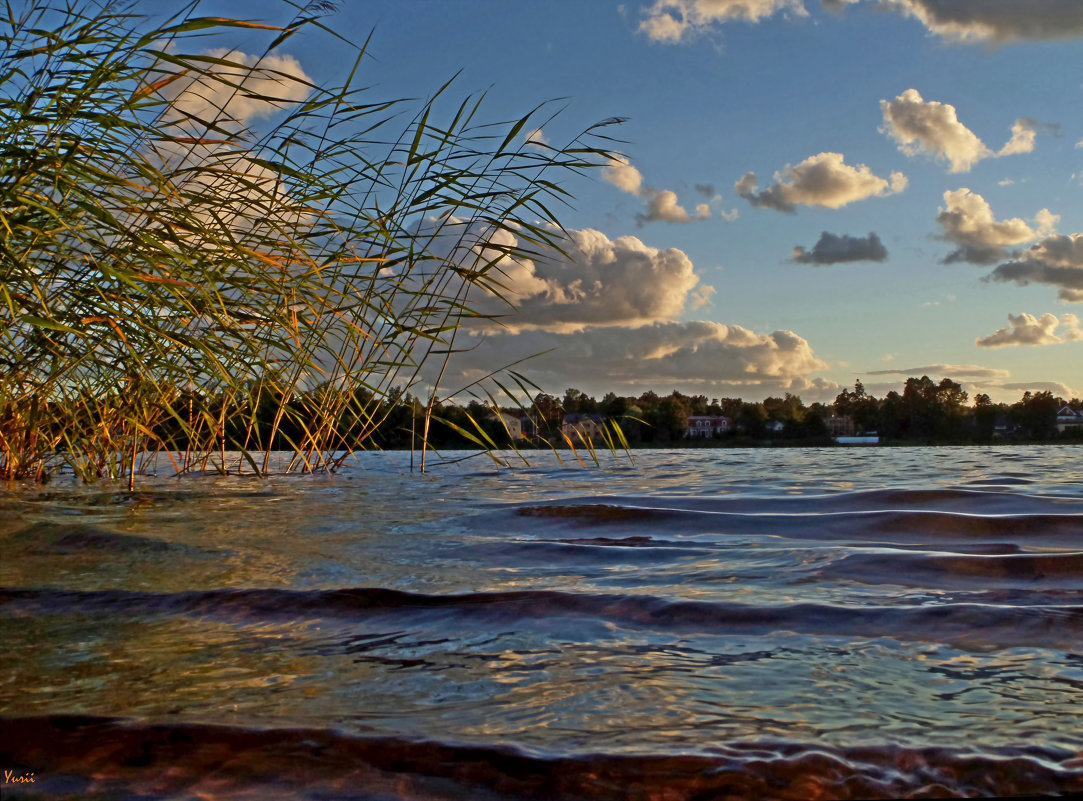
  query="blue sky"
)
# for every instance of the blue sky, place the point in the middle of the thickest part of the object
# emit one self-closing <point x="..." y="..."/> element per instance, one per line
<point x="924" y="154"/>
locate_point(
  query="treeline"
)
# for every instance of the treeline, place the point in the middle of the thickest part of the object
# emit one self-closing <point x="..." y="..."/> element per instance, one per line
<point x="925" y="411"/>
<point x="323" y="422"/>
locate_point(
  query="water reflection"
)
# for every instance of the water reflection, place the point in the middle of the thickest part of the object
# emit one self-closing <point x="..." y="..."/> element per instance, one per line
<point x="688" y="609"/>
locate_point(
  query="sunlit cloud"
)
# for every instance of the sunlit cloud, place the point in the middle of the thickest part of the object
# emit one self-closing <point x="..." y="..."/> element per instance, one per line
<point x="1026" y="329"/>
<point x="537" y="138"/>
<point x="595" y="281"/>
<point x="821" y="180"/>
<point x="967" y="220"/>
<point x="659" y="205"/>
<point x="664" y="207"/>
<point x="835" y="249"/>
<point x="962" y="21"/>
<point x="236" y="89"/>
<point x="1056" y="387"/>
<point x="673" y="21"/>
<point x="700" y="355"/>
<point x="624" y="175"/>
<point x="933" y="128"/>
<point x="954" y="371"/>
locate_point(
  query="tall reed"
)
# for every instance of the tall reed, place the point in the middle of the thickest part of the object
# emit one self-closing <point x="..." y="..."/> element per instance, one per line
<point x="177" y="278"/>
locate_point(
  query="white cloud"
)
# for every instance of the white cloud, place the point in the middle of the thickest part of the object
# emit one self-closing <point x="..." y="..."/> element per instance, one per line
<point x="931" y="127"/>
<point x="673" y="21"/>
<point x="608" y="313"/>
<point x="536" y="138"/>
<point x="237" y="91"/>
<point x="1026" y="329"/>
<point x="698" y="356"/>
<point x="964" y="21"/>
<point x="622" y="174"/>
<point x="663" y="206"/>
<point x="230" y="92"/>
<point x="968" y="221"/>
<point x="596" y="281"/>
<point x="659" y="205"/>
<point x="1024" y="132"/>
<point x="821" y="180"/>
<point x="835" y="249"/>
<point x="1056" y="260"/>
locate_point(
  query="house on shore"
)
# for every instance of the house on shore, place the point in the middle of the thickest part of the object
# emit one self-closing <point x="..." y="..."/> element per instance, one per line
<point x="840" y="425"/>
<point x="582" y="426"/>
<point x="513" y="424"/>
<point x="1068" y="419"/>
<point x="706" y="426"/>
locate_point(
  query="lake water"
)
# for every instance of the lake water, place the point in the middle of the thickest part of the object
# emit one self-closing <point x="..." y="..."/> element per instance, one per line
<point x="777" y="623"/>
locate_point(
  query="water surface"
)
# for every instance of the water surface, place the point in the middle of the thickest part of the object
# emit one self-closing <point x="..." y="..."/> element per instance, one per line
<point x="829" y="623"/>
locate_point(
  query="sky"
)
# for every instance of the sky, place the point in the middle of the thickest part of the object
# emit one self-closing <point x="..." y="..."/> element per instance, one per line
<point x="810" y="192"/>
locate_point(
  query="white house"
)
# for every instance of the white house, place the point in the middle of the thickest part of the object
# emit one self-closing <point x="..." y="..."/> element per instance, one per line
<point x="1068" y="418"/>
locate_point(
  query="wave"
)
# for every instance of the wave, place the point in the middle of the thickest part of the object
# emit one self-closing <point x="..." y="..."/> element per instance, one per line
<point x="96" y="757"/>
<point x="977" y="625"/>
<point x="1062" y="570"/>
<point x="802" y="520"/>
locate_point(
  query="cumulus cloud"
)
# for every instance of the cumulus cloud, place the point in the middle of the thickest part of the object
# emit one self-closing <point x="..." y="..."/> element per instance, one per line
<point x="701" y="355"/>
<point x="659" y="205"/>
<point x="953" y="371"/>
<point x="834" y="249"/>
<point x="236" y="90"/>
<point x="596" y="281"/>
<point x="664" y="206"/>
<point x="1024" y="131"/>
<point x="967" y="220"/>
<point x="821" y="180"/>
<point x="229" y="92"/>
<point x="607" y="312"/>
<point x="673" y="21"/>
<point x="931" y="127"/>
<point x="1056" y="260"/>
<point x="964" y="21"/>
<point x="537" y="138"/>
<point x="624" y="175"/>
<point x="996" y="21"/>
<point x="1026" y="329"/>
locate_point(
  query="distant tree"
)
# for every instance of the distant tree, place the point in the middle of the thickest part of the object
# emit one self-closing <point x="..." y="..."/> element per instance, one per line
<point x="730" y="407"/>
<point x="698" y="404"/>
<point x="671" y="417"/>
<point x="893" y="417"/>
<point x="547" y="412"/>
<point x="985" y="416"/>
<point x="752" y="419"/>
<point x="572" y="400"/>
<point x="786" y="409"/>
<point x="858" y="405"/>
<point x="613" y="405"/>
<point x="1036" y="415"/>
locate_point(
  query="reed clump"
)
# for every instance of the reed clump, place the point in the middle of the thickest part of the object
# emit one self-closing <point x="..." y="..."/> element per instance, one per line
<point x="205" y="250"/>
